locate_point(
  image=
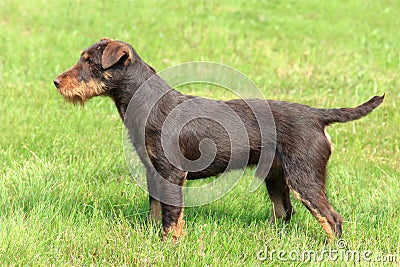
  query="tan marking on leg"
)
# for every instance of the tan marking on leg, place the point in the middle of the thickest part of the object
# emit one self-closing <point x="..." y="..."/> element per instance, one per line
<point x="297" y="195"/>
<point x="155" y="210"/>
<point x="322" y="220"/>
<point x="324" y="223"/>
<point x="176" y="230"/>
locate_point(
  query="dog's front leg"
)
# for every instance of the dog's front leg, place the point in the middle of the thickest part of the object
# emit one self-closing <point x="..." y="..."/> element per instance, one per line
<point x="171" y="193"/>
<point x="155" y="206"/>
<point x="172" y="222"/>
<point x="155" y="209"/>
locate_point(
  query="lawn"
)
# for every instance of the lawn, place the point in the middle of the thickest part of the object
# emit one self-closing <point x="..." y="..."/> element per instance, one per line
<point x="67" y="197"/>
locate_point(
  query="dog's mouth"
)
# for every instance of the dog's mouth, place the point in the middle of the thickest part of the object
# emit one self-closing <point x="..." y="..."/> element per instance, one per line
<point x="72" y="95"/>
<point x="74" y="99"/>
<point x="78" y="92"/>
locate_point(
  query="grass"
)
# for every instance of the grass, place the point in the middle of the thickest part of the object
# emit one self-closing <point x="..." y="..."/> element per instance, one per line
<point x="66" y="195"/>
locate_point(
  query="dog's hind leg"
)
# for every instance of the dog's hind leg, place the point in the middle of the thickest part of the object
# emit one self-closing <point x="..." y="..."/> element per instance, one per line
<point x="278" y="192"/>
<point x="308" y="185"/>
<point x="319" y="206"/>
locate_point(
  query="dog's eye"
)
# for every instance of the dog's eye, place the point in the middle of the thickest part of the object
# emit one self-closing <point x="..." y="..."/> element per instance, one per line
<point x="85" y="57"/>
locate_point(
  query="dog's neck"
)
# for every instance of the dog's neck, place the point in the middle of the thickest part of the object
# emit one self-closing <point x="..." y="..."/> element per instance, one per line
<point x="124" y="91"/>
<point x="144" y="87"/>
<point x="146" y="100"/>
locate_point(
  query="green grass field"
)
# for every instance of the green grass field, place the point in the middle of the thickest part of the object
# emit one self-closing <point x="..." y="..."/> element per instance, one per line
<point x="66" y="195"/>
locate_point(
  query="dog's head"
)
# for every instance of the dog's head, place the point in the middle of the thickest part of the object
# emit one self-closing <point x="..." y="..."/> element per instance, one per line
<point x="100" y="70"/>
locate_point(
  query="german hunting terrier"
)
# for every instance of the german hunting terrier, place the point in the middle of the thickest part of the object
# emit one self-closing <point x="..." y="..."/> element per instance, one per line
<point x="301" y="152"/>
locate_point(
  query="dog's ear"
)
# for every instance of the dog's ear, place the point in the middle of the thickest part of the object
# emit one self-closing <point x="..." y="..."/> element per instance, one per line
<point x="115" y="52"/>
<point x="106" y="39"/>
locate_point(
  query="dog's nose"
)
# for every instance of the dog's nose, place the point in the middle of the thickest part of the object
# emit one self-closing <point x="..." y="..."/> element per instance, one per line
<point x="57" y="82"/>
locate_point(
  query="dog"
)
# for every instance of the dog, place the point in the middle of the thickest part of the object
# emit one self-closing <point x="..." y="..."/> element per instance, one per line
<point x="301" y="149"/>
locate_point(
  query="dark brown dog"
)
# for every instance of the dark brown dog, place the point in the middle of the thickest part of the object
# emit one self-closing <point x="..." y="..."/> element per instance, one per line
<point x="301" y="151"/>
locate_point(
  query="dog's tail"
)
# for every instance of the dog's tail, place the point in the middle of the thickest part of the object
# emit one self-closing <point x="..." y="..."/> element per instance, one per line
<point x="328" y="116"/>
